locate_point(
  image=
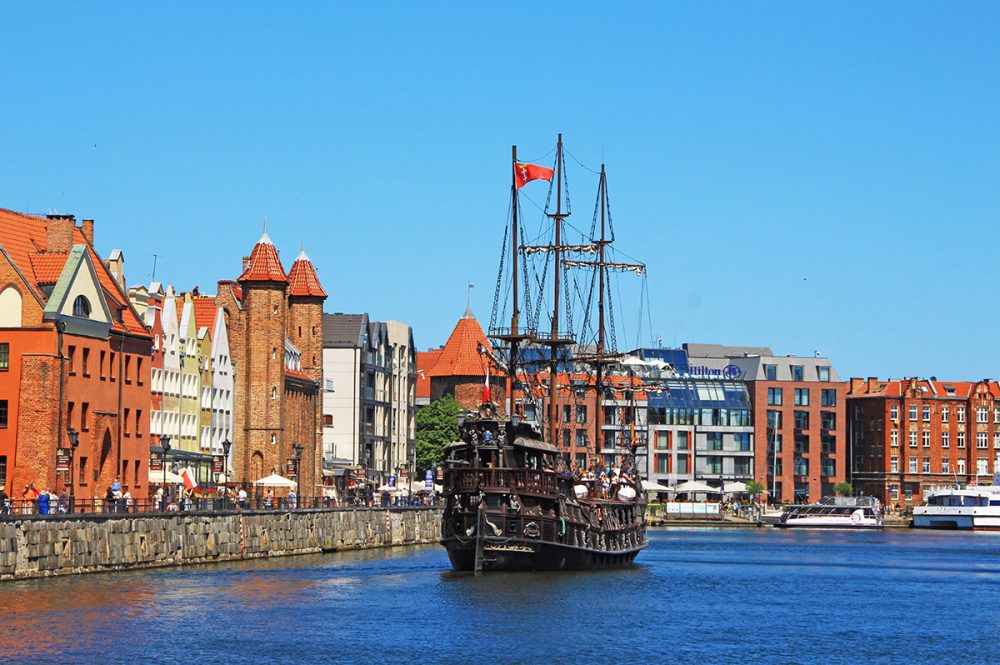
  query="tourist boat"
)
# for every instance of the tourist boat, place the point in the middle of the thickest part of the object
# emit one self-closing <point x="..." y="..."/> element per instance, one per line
<point x="833" y="513"/>
<point x="971" y="507"/>
<point x="510" y="503"/>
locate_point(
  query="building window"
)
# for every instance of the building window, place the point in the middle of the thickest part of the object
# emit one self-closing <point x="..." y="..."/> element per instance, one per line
<point x="138" y="371"/>
<point x="581" y="413"/>
<point x="961" y="414"/>
<point x="926" y="412"/>
<point x="981" y="440"/>
<point x="829" y="443"/>
<point x="774" y="445"/>
<point x="913" y="465"/>
<point x="982" y="415"/>
<point x="69" y="414"/>
<point x="128" y="369"/>
<point x="128" y="412"/>
<point x="566" y="413"/>
<point x="774" y="396"/>
<point x="111" y="366"/>
<point x="961" y="439"/>
<point x="713" y="464"/>
<point x="894" y="411"/>
<point x="996" y="409"/>
<point x="327" y="420"/>
<point x="683" y="465"/>
<point x="662" y="463"/>
<point x="926" y="438"/>
<point x="913" y="412"/>
<point x="5" y="362"/>
<point x="802" y="443"/>
<point x="3" y="413"/>
<point x="944" y="414"/>
<point x="945" y="466"/>
<point x="581" y="438"/>
<point x="84" y="409"/>
<point x="894" y="438"/>
<point x="83" y="471"/>
<point x="996" y="443"/>
<point x="926" y="465"/>
<point x="982" y="467"/>
<point x="801" y="420"/>
<point x="71" y="356"/>
<point x="913" y="438"/>
<point x="771" y="372"/>
<point x="742" y="441"/>
<point x="3" y="469"/>
<point x="828" y="467"/>
<point x="824" y="374"/>
<point x="961" y="467"/>
<point x="274" y="393"/>
<point x="945" y="439"/>
<point x="801" y="397"/>
<point x="138" y="422"/>
<point x="828" y="420"/>
<point x="682" y="441"/>
<point x="662" y="440"/>
<point x="81" y="307"/>
<point x="828" y="397"/>
<point x="101" y="368"/>
<point x="801" y="466"/>
<point x="774" y="419"/>
<point x="893" y="491"/>
<point x="741" y="467"/>
<point x="566" y="436"/>
<point x="798" y="373"/>
<point x="714" y="440"/>
<point x="894" y="464"/>
<point x="274" y="439"/>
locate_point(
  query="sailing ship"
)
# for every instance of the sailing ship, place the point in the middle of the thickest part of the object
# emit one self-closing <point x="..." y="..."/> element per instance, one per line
<point x="511" y="502"/>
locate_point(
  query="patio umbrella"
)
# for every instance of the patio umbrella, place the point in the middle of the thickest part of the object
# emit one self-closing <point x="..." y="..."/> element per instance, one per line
<point x="735" y="487"/>
<point x="653" y="486"/>
<point x="157" y="478"/>
<point x="274" y="480"/>
<point x="695" y="486"/>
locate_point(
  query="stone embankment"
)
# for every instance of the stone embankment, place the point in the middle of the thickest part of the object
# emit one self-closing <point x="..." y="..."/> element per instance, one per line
<point x="65" y="545"/>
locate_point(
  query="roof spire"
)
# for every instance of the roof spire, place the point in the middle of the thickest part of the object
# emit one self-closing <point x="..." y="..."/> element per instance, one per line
<point x="265" y="239"/>
<point x="468" y="302"/>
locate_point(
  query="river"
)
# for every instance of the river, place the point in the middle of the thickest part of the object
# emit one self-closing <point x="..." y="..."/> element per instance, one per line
<point x="696" y="596"/>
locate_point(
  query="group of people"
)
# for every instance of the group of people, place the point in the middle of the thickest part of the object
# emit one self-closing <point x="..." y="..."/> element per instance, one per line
<point x="606" y="479"/>
<point x="117" y="498"/>
<point x="34" y="501"/>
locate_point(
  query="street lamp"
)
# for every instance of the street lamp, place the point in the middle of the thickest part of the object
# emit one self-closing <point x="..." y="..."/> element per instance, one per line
<point x="74" y="441"/>
<point x="226" y="445"/>
<point x="165" y="445"/>
<point x="298" y="467"/>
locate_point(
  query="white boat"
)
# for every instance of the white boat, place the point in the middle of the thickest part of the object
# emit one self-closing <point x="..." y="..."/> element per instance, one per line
<point x="971" y="507"/>
<point x="834" y="513"/>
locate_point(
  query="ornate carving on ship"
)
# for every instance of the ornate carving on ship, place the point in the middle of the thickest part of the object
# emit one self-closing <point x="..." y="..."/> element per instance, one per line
<point x="511" y="501"/>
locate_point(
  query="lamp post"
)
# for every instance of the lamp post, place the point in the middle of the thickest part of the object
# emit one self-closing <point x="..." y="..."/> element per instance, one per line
<point x="74" y="441"/>
<point x="165" y="445"/>
<point x="298" y="469"/>
<point x="226" y="446"/>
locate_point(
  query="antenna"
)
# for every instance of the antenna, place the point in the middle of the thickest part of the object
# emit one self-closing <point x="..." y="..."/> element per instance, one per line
<point x="153" y="278"/>
<point x="468" y="296"/>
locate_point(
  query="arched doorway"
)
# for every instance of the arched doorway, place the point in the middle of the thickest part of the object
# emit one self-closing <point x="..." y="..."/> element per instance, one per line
<point x="256" y="467"/>
<point x="107" y="465"/>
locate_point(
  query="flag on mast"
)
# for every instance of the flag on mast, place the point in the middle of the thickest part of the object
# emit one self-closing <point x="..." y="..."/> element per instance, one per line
<point x="486" y="388"/>
<point x="525" y="173"/>
<point x="189" y="480"/>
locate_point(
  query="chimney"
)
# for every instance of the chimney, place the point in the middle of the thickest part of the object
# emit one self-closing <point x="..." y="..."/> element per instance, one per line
<point x="246" y="262"/>
<point x="59" y="230"/>
<point x="856" y="384"/>
<point x="872" y="383"/>
<point x="87" y="226"/>
<point x="116" y="264"/>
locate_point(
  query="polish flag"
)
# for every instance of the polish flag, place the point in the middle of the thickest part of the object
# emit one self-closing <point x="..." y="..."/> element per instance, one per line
<point x="188" y="476"/>
<point x="486" y="388"/>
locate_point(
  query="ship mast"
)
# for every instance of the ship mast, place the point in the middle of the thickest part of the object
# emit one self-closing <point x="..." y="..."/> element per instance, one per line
<point x="512" y="362"/>
<point x="599" y="375"/>
<point x="557" y="265"/>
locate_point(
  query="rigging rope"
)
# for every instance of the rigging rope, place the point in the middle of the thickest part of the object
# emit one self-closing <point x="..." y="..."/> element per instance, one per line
<point x="503" y="256"/>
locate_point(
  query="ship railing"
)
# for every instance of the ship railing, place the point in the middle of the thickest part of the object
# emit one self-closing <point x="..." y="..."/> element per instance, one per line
<point x="527" y="480"/>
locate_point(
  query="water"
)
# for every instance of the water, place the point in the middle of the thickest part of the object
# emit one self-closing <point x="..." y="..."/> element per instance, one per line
<point x="697" y="596"/>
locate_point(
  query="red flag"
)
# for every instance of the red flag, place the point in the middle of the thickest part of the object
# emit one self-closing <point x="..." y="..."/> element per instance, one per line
<point x="486" y="388"/>
<point x="525" y="173"/>
<point x="189" y="481"/>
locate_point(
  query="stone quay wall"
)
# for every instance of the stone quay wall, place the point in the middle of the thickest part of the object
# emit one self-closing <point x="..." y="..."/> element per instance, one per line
<point x="71" y="544"/>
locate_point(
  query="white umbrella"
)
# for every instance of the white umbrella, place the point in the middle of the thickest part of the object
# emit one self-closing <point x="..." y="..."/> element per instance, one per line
<point x="735" y="487"/>
<point x="653" y="486"/>
<point x="274" y="480"/>
<point x="632" y="360"/>
<point x="695" y="486"/>
<point x="157" y="478"/>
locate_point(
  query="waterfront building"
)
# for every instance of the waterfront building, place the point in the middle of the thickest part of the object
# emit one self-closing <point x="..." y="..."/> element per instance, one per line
<point x="911" y="436"/>
<point x="74" y="355"/>
<point x="369" y="394"/>
<point x="275" y="333"/>
<point x="798" y="416"/>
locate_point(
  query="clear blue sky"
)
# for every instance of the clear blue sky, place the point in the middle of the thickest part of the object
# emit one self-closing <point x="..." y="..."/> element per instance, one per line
<point x="799" y="175"/>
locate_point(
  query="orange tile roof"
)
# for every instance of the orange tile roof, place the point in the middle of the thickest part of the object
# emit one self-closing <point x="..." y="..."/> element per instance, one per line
<point x="22" y="235"/>
<point x="960" y="389"/>
<point x="460" y="355"/>
<point x="303" y="278"/>
<point x="47" y="267"/>
<point x="204" y="313"/>
<point x="295" y="374"/>
<point x="264" y="265"/>
<point x="425" y="362"/>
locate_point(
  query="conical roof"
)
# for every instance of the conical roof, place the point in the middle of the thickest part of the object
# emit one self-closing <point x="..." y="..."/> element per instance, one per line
<point x="460" y="355"/>
<point x="303" y="279"/>
<point x="264" y="264"/>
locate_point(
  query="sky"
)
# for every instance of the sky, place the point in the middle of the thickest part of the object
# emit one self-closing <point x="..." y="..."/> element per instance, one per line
<point x="805" y="176"/>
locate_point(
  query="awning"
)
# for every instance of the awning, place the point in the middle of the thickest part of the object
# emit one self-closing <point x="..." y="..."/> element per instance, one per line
<point x="171" y="478"/>
<point x="534" y="444"/>
<point x="693" y="486"/>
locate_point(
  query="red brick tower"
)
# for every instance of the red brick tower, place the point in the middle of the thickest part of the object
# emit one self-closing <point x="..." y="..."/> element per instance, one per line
<point x="264" y="312"/>
<point x="305" y="330"/>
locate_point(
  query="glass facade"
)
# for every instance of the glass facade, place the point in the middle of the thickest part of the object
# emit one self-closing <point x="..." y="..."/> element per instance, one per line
<point x="720" y="403"/>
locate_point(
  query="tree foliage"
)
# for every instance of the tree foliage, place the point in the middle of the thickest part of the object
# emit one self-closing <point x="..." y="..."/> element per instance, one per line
<point x="754" y="488"/>
<point x="437" y="426"/>
<point x="843" y="488"/>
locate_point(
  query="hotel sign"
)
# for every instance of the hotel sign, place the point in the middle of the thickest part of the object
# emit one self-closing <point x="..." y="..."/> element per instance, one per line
<point x="729" y="372"/>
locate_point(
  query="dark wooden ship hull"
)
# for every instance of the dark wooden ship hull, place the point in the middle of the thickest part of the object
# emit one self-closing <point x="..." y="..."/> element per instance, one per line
<point x="503" y="555"/>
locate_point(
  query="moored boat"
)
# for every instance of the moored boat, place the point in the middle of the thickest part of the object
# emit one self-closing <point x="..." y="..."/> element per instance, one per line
<point x="973" y="507"/>
<point x="834" y="513"/>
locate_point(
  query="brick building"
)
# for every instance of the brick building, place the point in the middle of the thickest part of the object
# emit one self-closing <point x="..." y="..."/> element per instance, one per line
<point x="913" y="435"/>
<point x="275" y="325"/>
<point x="74" y="354"/>
<point x="459" y="369"/>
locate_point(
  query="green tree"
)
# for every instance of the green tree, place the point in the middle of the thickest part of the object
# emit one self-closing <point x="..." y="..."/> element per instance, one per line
<point x="754" y="488"/>
<point x="843" y="488"/>
<point x="437" y="426"/>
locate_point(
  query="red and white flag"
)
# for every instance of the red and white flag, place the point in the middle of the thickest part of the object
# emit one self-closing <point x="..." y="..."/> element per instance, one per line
<point x="525" y="173"/>
<point x="486" y="388"/>
<point x="188" y="476"/>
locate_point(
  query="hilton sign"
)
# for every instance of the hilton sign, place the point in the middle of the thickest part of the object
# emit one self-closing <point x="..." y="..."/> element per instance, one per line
<point x="729" y="372"/>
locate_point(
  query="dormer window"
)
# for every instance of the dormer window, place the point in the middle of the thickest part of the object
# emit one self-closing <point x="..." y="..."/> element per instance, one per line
<point x="81" y="307"/>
